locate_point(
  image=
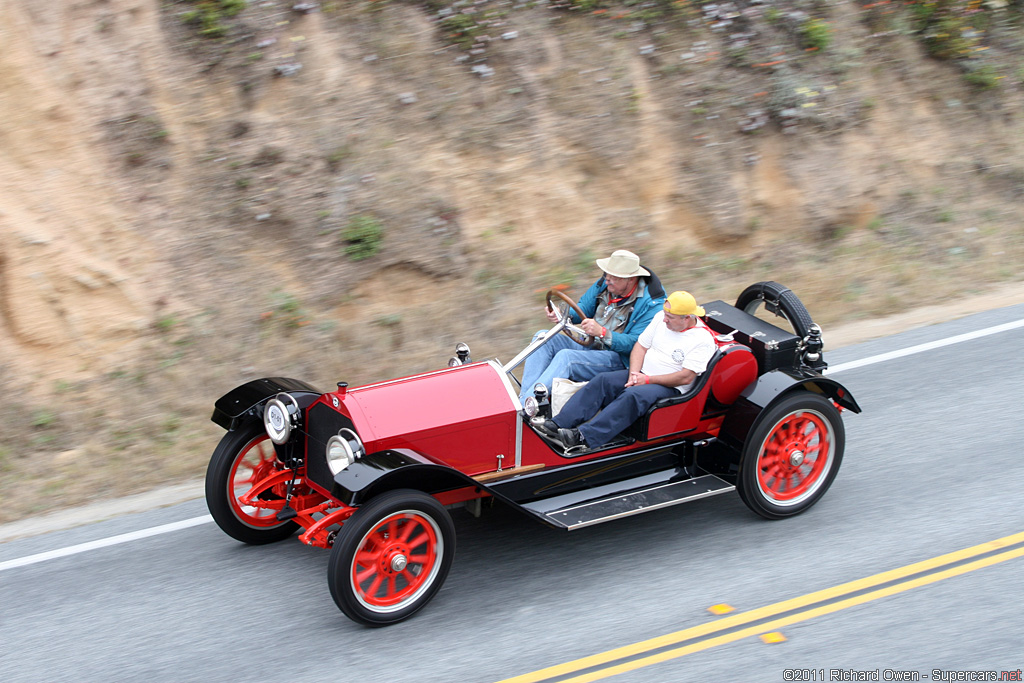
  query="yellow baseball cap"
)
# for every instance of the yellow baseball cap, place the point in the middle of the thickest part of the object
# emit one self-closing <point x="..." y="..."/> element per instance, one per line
<point x="682" y="303"/>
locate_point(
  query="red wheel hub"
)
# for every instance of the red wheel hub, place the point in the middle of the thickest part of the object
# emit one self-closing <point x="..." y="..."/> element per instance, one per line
<point x="256" y="462"/>
<point x="396" y="560"/>
<point x="794" y="456"/>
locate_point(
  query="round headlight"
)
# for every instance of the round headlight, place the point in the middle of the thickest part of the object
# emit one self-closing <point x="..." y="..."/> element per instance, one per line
<point x="530" y="406"/>
<point x="343" y="449"/>
<point x="277" y="421"/>
<point x="339" y="454"/>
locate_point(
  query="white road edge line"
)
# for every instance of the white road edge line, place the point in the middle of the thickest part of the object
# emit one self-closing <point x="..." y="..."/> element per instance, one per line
<point x="206" y="519"/>
<point x="910" y="350"/>
<point x="104" y="542"/>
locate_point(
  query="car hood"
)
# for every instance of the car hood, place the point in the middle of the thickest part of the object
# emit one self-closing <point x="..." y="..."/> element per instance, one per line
<point x="462" y="417"/>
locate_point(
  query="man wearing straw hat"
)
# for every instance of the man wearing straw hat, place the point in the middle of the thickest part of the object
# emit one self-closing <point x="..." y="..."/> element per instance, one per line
<point x="669" y="355"/>
<point x="619" y="306"/>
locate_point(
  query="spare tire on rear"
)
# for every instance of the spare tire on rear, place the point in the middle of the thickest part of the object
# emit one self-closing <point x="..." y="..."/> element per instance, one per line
<point x="778" y="300"/>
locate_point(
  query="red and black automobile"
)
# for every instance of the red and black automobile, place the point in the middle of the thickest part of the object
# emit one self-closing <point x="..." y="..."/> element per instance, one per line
<point x="371" y="472"/>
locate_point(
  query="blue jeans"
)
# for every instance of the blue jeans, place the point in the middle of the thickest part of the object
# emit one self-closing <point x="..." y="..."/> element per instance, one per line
<point x="562" y="357"/>
<point x="609" y="406"/>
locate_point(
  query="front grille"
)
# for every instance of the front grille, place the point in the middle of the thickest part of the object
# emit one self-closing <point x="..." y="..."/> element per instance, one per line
<point x="322" y="422"/>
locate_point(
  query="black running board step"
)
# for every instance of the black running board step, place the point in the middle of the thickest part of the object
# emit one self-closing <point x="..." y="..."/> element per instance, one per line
<point x="631" y="502"/>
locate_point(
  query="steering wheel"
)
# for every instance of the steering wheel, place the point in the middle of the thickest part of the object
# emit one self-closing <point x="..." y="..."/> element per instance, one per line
<point x="570" y="330"/>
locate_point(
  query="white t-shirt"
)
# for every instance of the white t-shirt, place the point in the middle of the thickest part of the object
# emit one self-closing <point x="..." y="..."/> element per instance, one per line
<point x="669" y="351"/>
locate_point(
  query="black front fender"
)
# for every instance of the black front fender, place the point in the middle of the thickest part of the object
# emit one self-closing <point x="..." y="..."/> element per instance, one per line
<point x="241" y="400"/>
<point x="398" y="468"/>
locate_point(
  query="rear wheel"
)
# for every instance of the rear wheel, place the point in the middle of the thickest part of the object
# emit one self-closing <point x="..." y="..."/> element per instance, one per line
<point x="776" y="304"/>
<point x="243" y="457"/>
<point x="391" y="557"/>
<point x="791" y="456"/>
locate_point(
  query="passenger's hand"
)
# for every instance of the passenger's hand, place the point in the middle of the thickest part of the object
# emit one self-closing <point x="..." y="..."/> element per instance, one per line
<point x="636" y="378"/>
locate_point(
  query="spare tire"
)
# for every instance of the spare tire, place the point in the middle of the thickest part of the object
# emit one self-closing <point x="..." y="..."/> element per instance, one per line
<point x="780" y="302"/>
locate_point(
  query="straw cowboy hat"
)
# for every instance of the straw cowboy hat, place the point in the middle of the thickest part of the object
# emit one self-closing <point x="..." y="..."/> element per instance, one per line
<point x="622" y="263"/>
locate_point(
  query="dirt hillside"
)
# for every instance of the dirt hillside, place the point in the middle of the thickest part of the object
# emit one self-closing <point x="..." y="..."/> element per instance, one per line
<point x="194" y="193"/>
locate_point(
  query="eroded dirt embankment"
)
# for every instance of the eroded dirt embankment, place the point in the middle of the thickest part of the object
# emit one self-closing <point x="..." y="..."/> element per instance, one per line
<point x="176" y="213"/>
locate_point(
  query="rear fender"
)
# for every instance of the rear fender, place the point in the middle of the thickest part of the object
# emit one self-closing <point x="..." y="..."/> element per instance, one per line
<point x="399" y="468"/>
<point x="241" y="403"/>
<point x="770" y="388"/>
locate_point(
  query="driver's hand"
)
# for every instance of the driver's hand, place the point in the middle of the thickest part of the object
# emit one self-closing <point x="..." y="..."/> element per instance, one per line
<point x="550" y="313"/>
<point x="591" y="327"/>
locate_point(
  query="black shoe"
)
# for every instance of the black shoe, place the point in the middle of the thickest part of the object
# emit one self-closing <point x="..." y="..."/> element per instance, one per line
<point x="548" y="428"/>
<point x="571" y="437"/>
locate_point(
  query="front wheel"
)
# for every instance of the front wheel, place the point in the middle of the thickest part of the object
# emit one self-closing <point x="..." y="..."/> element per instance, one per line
<point x="242" y="458"/>
<point x="791" y="456"/>
<point x="391" y="557"/>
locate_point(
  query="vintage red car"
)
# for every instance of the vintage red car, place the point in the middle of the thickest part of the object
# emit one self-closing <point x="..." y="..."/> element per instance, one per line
<point x="371" y="472"/>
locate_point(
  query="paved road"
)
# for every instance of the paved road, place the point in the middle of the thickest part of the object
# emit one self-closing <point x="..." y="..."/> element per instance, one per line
<point x="934" y="465"/>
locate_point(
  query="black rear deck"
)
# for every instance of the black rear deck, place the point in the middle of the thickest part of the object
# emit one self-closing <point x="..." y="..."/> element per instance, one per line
<point x="773" y="346"/>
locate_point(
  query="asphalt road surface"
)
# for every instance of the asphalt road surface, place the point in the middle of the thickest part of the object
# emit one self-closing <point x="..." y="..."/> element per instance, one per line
<point x="911" y="565"/>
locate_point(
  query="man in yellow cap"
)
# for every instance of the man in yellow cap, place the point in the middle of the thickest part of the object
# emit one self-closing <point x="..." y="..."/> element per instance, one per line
<point x="618" y="307"/>
<point x="669" y="355"/>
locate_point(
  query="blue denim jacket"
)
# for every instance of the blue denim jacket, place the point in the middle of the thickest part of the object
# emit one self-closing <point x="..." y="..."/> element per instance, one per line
<point x="647" y="304"/>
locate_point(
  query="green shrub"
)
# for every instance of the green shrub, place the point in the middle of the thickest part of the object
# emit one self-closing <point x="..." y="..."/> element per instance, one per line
<point x="363" y="236"/>
<point x="944" y="39"/>
<point x="950" y="29"/>
<point x="587" y="5"/>
<point x="983" y="77"/>
<point x="43" y="418"/>
<point x="815" y="33"/>
<point x="461" y="29"/>
<point x="232" y="7"/>
<point x="338" y="155"/>
<point x="207" y="15"/>
<point x="287" y="309"/>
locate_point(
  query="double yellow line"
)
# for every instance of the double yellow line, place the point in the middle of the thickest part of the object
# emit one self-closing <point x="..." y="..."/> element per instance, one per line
<point x="737" y="627"/>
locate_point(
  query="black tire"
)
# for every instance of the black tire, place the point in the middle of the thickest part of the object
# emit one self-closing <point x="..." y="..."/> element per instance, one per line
<point x="374" y="550"/>
<point x="777" y="477"/>
<point x="247" y="448"/>
<point x="779" y="302"/>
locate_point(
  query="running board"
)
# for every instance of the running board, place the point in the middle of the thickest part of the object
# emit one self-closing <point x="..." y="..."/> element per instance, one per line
<point x="576" y="514"/>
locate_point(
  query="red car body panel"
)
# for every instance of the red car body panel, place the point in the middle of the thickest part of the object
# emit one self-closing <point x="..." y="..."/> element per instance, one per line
<point x="676" y="419"/>
<point x="734" y="372"/>
<point x="463" y="417"/>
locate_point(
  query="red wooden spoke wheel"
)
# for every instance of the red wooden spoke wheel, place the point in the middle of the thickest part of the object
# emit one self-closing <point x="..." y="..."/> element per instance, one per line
<point x="254" y="463"/>
<point x="391" y="557"/>
<point x="243" y="457"/>
<point x="792" y="454"/>
<point x="396" y="559"/>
